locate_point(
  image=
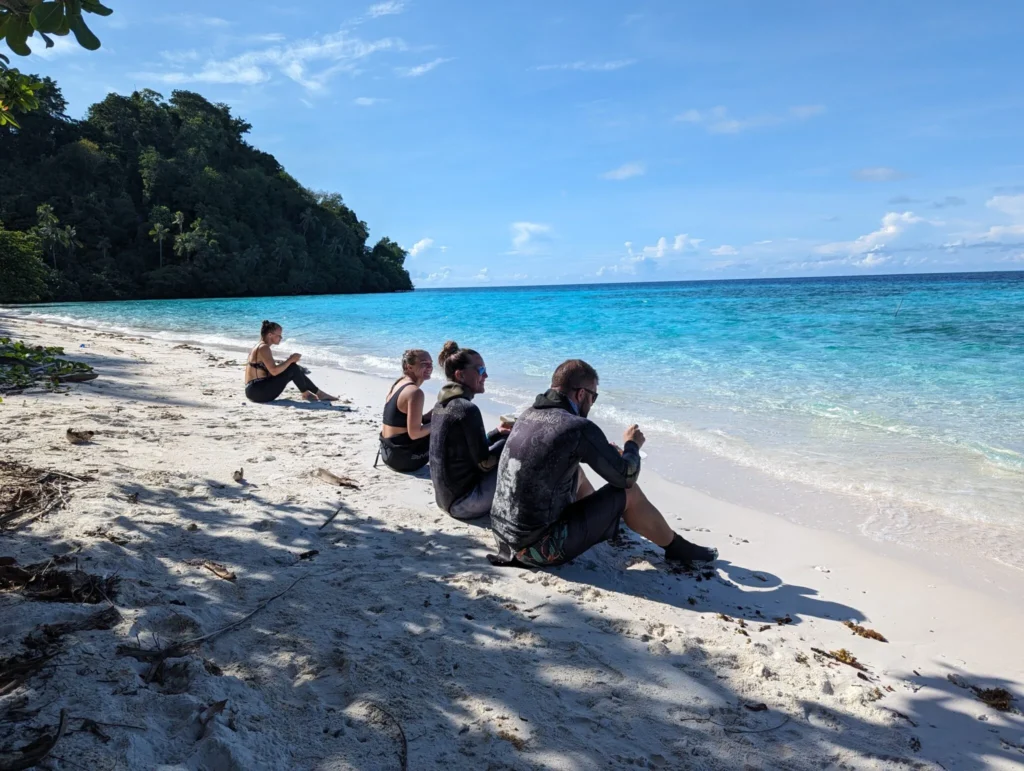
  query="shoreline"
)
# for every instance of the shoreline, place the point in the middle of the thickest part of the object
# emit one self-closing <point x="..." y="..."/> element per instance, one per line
<point x="937" y="623"/>
<point x="983" y="555"/>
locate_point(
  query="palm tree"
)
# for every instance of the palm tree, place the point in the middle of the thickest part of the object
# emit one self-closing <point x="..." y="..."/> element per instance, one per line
<point x="49" y="230"/>
<point x="281" y="250"/>
<point x="70" y="241"/>
<point x="103" y="244"/>
<point x="334" y="248"/>
<point x="159" y="233"/>
<point x="179" y="220"/>
<point x="184" y="245"/>
<point x="307" y="219"/>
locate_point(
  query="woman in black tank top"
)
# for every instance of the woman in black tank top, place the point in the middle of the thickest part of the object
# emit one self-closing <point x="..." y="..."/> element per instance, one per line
<point x="405" y="433"/>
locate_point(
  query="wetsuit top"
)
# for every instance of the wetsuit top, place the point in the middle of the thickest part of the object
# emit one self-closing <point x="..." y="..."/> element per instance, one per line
<point x="460" y="448"/>
<point x="393" y="416"/>
<point x="537" y="473"/>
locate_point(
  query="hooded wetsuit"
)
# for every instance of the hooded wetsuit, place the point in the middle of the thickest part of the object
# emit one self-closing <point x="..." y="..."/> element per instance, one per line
<point x="535" y="513"/>
<point x="463" y="457"/>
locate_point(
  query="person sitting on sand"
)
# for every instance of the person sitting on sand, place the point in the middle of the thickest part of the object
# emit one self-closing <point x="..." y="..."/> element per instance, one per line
<point x="265" y="379"/>
<point x="545" y="510"/>
<point x="463" y="457"/>
<point x="405" y="435"/>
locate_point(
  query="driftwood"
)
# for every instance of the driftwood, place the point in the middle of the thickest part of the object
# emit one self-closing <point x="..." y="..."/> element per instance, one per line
<point x="158" y="655"/>
<point x="37" y="754"/>
<point x="333" y="479"/>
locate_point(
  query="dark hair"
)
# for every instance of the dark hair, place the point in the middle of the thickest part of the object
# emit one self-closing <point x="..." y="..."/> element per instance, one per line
<point x="267" y="327"/>
<point x="453" y="358"/>
<point x="572" y="374"/>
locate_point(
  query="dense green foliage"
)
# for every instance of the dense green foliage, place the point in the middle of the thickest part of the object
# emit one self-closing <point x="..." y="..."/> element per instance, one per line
<point x="148" y="198"/>
<point x="24" y="276"/>
<point x="21" y="21"/>
<point x="24" y="365"/>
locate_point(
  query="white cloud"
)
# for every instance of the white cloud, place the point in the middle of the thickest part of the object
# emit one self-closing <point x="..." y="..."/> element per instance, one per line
<point x="61" y="47"/>
<point x="717" y="120"/>
<point x="893" y="224"/>
<point x="388" y="8"/>
<point x="877" y="174"/>
<point x="625" y="171"/>
<point x="421" y="246"/>
<point x="725" y="250"/>
<point x="366" y="101"/>
<point x="1013" y="207"/>
<point x="872" y="260"/>
<point x="193" y="20"/>
<point x="422" y="69"/>
<point x="482" y="275"/>
<point x="609" y="66"/>
<point x="646" y="260"/>
<point x="330" y="54"/>
<point x="524" y="233"/>
<point x="440" y="275"/>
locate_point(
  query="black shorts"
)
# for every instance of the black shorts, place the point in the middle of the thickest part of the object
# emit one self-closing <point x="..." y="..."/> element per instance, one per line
<point x="583" y="524"/>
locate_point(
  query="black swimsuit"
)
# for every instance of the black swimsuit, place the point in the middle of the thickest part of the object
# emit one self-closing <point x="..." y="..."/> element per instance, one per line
<point x="401" y="452"/>
<point x="269" y="387"/>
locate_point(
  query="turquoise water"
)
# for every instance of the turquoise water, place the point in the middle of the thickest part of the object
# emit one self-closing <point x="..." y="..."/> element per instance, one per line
<point x="812" y="382"/>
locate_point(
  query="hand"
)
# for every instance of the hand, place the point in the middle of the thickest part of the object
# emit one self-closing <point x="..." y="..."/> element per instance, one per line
<point x="634" y="434"/>
<point x="504" y="429"/>
<point x="294" y="358"/>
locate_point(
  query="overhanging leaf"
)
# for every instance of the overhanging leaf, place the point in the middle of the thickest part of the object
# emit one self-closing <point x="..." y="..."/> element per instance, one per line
<point x="83" y="34"/>
<point x="94" y="6"/>
<point x="47" y="17"/>
<point x="18" y="30"/>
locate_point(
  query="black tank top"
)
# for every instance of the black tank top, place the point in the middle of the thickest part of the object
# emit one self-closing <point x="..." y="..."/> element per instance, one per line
<point x="393" y="416"/>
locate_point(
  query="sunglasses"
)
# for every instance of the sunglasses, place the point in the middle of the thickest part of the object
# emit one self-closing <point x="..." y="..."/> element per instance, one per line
<point x="481" y="371"/>
<point x="592" y="393"/>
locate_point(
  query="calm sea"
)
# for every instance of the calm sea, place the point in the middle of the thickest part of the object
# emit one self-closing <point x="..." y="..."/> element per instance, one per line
<point x="901" y="394"/>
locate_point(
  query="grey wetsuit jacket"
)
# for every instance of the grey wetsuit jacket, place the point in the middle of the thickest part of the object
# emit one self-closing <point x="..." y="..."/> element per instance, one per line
<point x="461" y="451"/>
<point x="537" y="473"/>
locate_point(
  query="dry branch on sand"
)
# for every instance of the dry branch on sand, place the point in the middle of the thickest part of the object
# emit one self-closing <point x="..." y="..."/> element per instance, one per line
<point x="27" y="493"/>
<point x="43" y="581"/>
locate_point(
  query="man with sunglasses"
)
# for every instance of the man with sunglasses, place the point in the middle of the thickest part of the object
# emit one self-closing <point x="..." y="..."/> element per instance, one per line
<point x="545" y="510"/>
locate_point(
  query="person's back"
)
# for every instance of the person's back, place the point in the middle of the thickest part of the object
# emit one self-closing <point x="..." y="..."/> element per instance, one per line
<point x="545" y="510"/>
<point x="463" y="456"/>
<point x="537" y="474"/>
<point x="453" y="468"/>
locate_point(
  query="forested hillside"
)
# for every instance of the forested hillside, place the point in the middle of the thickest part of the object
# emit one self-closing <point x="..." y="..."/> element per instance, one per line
<point x="151" y="198"/>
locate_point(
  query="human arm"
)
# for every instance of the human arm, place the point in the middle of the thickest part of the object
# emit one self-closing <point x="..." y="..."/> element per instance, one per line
<point x="619" y="470"/>
<point x="479" y="441"/>
<point x="263" y="355"/>
<point x="414" y="415"/>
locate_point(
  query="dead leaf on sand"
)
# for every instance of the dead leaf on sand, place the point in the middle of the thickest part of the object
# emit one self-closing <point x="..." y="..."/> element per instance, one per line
<point x="79" y="437"/>
<point x="863" y="631"/>
<point x="334" y="479"/>
<point x="214" y="567"/>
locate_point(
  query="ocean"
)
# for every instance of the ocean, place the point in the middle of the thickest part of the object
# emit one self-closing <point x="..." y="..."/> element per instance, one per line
<point x="888" y="405"/>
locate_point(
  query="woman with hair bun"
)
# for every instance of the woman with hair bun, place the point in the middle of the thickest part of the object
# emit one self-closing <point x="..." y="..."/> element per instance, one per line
<point x="265" y="379"/>
<point x="405" y="433"/>
<point x="463" y="456"/>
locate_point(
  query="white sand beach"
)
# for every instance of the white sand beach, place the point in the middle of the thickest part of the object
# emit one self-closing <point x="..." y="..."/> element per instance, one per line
<point x="389" y="642"/>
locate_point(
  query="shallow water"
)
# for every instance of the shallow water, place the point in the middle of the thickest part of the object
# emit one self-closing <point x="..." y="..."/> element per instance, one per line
<point x="917" y="416"/>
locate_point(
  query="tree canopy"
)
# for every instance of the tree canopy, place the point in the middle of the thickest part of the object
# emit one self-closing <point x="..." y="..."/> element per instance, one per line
<point x="155" y="198"/>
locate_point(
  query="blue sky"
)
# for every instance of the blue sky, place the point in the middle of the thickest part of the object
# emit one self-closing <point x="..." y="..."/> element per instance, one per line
<point x="587" y="141"/>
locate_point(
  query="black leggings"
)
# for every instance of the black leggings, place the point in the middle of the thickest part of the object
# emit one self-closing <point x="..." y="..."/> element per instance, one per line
<point x="269" y="388"/>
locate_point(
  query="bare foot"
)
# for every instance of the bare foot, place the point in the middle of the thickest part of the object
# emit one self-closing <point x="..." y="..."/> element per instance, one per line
<point x="309" y="396"/>
<point x="325" y="397"/>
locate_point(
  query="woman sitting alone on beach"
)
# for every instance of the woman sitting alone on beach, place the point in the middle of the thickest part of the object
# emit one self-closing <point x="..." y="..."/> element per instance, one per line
<point x="265" y="379"/>
<point x="405" y="435"/>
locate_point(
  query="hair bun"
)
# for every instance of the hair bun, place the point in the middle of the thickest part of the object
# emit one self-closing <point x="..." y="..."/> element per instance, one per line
<point x="450" y="349"/>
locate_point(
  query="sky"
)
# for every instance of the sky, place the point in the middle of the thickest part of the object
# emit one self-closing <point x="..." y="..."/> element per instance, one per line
<point x="585" y="141"/>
